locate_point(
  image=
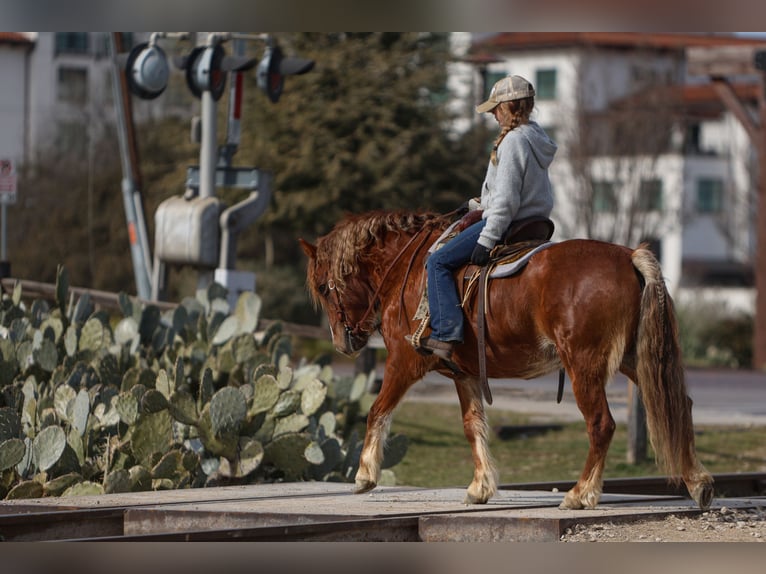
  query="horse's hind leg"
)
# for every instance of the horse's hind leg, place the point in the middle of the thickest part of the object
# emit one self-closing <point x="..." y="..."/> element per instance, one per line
<point x="590" y="394"/>
<point x="484" y="483"/>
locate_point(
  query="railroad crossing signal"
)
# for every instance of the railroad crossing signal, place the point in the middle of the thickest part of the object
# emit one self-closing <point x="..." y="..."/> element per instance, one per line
<point x="206" y="68"/>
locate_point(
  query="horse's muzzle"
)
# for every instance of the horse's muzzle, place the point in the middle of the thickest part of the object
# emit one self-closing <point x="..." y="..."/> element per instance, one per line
<point x="352" y="343"/>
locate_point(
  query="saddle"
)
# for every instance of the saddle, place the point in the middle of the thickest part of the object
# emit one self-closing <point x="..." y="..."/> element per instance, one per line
<point x="521" y="239"/>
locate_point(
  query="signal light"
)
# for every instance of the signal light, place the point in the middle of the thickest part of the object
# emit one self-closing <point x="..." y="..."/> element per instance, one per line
<point x="146" y="70"/>
<point x="204" y="71"/>
<point x="273" y="68"/>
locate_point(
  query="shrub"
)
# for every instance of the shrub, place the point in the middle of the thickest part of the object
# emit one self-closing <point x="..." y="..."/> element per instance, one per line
<point x="713" y="336"/>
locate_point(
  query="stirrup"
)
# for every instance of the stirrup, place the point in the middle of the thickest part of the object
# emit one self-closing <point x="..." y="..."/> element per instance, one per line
<point x="431" y="346"/>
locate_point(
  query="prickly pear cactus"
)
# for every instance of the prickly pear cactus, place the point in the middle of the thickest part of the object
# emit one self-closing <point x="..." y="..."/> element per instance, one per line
<point x="187" y="397"/>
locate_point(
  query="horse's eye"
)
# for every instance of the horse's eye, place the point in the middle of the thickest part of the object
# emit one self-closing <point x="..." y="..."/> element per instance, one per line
<point x="322" y="288"/>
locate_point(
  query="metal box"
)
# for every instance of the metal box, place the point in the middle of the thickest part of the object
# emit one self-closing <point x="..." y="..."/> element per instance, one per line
<point x="187" y="231"/>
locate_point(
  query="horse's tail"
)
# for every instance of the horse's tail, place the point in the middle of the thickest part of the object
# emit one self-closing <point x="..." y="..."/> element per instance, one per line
<point x="660" y="372"/>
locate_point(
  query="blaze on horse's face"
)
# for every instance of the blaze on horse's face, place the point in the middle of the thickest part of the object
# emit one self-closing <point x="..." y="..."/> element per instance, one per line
<point x="343" y="307"/>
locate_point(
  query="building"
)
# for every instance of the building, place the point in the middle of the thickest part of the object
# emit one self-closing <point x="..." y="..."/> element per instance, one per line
<point x="646" y="151"/>
<point x="15" y="53"/>
<point x="58" y="92"/>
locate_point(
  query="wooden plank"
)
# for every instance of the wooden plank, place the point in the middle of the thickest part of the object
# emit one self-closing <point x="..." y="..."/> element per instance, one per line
<point x="180" y="496"/>
<point x="721" y="60"/>
<point x="725" y="91"/>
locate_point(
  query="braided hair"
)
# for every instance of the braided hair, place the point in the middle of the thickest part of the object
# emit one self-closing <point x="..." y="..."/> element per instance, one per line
<point x="520" y="111"/>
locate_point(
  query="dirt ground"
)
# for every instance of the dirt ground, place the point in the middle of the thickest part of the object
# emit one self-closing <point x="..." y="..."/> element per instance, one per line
<point x="719" y="525"/>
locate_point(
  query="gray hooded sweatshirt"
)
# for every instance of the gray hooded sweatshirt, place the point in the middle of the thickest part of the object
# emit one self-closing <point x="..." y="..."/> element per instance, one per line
<point x="518" y="186"/>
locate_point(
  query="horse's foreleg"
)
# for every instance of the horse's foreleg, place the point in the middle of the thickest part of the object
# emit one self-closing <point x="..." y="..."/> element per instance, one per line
<point x="395" y="384"/>
<point x="591" y="400"/>
<point x="484" y="484"/>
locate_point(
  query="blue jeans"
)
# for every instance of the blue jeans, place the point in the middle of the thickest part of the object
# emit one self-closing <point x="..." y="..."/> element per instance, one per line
<point x="443" y="302"/>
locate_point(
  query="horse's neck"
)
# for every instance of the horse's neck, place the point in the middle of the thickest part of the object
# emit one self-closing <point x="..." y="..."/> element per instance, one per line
<point x="400" y="258"/>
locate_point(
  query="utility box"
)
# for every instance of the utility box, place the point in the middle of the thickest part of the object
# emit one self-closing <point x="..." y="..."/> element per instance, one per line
<point x="187" y="231"/>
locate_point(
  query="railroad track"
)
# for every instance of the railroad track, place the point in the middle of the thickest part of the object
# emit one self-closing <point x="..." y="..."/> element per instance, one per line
<point x="323" y="512"/>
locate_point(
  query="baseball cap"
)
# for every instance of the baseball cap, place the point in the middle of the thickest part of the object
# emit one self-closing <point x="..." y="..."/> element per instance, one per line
<point x="505" y="90"/>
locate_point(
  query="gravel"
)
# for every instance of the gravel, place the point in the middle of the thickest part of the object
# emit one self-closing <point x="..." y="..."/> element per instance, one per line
<point x="720" y="525"/>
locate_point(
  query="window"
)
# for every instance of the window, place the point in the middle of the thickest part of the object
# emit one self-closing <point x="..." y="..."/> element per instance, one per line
<point x="71" y="43"/>
<point x="650" y="195"/>
<point x="545" y="84"/>
<point x="604" y="198"/>
<point x="709" y="195"/>
<point x="73" y="85"/>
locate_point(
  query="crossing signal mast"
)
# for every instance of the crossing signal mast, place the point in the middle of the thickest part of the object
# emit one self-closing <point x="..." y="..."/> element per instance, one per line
<point x="197" y="228"/>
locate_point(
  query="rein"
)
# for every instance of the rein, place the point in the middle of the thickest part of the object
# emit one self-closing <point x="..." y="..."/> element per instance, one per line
<point x="357" y="328"/>
<point x="374" y="298"/>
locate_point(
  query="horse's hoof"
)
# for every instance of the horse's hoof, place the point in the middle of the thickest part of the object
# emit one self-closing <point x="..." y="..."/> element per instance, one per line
<point x="703" y="495"/>
<point x="471" y="499"/>
<point x="363" y="486"/>
<point x="571" y="503"/>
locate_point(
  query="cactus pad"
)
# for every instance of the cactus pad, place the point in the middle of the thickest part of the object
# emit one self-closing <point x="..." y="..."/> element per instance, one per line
<point x="288" y="403"/>
<point x="48" y="447"/>
<point x="183" y="408"/>
<point x="152" y="434"/>
<point x="86" y="488"/>
<point x="248" y="459"/>
<point x="12" y="452"/>
<point x="58" y="485"/>
<point x="265" y="394"/>
<point x="117" y="481"/>
<point x="293" y="423"/>
<point x="287" y="454"/>
<point x="228" y="410"/>
<point x="313" y="396"/>
<point x="26" y="489"/>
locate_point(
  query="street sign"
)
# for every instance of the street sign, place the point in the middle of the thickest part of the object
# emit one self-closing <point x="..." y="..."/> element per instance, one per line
<point x="7" y="181"/>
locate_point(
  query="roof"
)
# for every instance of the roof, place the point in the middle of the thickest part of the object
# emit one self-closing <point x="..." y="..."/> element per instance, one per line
<point x="699" y="100"/>
<point x="537" y="40"/>
<point x="15" y="38"/>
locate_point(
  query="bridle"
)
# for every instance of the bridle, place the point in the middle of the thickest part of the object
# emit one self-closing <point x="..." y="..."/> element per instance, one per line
<point x="340" y="312"/>
<point x="357" y="330"/>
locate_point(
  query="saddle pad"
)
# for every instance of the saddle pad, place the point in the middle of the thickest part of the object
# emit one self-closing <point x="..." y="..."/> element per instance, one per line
<point x="519" y="256"/>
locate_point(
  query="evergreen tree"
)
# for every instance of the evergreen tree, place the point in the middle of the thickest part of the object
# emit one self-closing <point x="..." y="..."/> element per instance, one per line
<point x="366" y="129"/>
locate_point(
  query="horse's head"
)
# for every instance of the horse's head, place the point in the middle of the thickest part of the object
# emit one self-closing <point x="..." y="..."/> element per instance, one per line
<point x="360" y="250"/>
<point x="345" y="299"/>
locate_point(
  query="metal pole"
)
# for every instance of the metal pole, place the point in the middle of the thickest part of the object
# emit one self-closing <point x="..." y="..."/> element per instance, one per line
<point x="4" y="224"/>
<point x="136" y="226"/>
<point x="208" y="154"/>
<point x="759" y="328"/>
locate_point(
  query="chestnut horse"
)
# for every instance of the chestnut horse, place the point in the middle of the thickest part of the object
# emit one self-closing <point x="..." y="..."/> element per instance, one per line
<point x="590" y="307"/>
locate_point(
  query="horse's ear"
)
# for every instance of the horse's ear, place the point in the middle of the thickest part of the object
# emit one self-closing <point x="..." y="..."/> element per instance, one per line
<point x="308" y="248"/>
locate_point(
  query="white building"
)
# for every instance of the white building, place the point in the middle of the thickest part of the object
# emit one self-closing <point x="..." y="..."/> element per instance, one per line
<point x="57" y="89"/>
<point x="15" y="52"/>
<point x="646" y="153"/>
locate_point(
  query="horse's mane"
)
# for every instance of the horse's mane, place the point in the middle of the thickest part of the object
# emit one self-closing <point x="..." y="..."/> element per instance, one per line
<point x="339" y="251"/>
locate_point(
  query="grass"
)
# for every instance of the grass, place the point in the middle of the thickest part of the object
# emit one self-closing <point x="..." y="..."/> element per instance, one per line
<point x="439" y="455"/>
